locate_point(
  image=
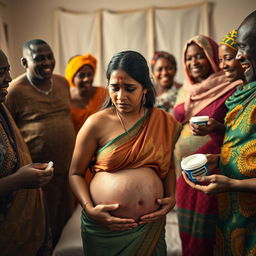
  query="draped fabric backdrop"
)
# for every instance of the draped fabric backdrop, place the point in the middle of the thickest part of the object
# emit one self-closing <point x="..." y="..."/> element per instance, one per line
<point x="3" y="39"/>
<point x="104" y="33"/>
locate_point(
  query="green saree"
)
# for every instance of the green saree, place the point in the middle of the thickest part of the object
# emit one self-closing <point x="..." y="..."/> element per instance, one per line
<point x="144" y="240"/>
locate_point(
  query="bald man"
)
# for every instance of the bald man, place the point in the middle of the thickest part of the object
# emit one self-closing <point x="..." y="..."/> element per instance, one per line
<point x="40" y="104"/>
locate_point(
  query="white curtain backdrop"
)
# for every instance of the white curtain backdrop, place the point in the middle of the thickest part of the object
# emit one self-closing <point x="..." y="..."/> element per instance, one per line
<point x="123" y="31"/>
<point x="75" y="33"/>
<point x="104" y="33"/>
<point x="174" y="26"/>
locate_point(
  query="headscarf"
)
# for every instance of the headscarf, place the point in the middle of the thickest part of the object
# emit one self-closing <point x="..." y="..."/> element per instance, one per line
<point x="162" y="54"/>
<point x="210" y="49"/>
<point x="230" y="40"/>
<point x="76" y="63"/>
<point x="200" y="95"/>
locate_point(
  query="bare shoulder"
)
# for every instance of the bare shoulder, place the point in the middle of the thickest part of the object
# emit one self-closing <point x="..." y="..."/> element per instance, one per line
<point x="98" y="123"/>
<point x="101" y="118"/>
<point x="60" y="81"/>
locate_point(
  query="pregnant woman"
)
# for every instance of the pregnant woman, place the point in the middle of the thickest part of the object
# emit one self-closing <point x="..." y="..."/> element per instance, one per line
<point x="129" y="147"/>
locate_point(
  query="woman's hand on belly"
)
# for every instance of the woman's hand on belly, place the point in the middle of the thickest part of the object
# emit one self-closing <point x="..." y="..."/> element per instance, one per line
<point x="166" y="204"/>
<point x="101" y="215"/>
<point x="135" y="190"/>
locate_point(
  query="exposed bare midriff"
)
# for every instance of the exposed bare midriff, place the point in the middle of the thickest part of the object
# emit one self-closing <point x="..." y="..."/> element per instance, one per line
<point x="135" y="190"/>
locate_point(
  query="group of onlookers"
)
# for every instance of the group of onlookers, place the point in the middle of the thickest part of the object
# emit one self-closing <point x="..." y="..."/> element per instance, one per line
<point x="125" y="170"/>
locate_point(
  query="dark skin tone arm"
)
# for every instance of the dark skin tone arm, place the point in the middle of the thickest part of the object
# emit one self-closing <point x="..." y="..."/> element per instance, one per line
<point x="212" y="126"/>
<point x="220" y="183"/>
<point x="28" y="176"/>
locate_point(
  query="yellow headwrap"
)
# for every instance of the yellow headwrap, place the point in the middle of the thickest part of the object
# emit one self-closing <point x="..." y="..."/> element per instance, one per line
<point x="230" y="40"/>
<point x="76" y="63"/>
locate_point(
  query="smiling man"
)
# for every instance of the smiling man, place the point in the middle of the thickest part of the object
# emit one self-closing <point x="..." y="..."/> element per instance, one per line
<point x="40" y="104"/>
<point x="247" y="47"/>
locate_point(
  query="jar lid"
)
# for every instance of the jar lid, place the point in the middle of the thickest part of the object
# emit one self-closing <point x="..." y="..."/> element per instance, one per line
<point x="199" y="118"/>
<point x="194" y="161"/>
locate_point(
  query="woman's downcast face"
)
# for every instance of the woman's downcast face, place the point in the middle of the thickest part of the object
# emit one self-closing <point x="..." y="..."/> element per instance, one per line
<point x="125" y="92"/>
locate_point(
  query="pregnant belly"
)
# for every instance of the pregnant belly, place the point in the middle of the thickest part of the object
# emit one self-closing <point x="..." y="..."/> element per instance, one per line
<point x="135" y="190"/>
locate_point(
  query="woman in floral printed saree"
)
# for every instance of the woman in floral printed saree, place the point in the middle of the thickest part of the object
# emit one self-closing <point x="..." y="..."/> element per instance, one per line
<point x="236" y="232"/>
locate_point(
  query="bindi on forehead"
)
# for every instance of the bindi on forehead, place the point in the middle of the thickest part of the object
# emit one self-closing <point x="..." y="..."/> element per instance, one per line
<point x="118" y="78"/>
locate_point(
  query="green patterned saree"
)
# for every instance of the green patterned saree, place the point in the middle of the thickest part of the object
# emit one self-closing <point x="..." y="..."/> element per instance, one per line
<point x="236" y="232"/>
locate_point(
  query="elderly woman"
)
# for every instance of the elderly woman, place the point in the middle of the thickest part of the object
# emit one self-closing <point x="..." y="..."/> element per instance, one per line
<point x="207" y="89"/>
<point x="23" y="221"/>
<point x="133" y="187"/>
<point x="86" y="99"/>
<point x="164" y="68"/>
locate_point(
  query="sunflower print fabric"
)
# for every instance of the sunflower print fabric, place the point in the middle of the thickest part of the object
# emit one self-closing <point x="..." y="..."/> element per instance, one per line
<point x="236" y="231"/>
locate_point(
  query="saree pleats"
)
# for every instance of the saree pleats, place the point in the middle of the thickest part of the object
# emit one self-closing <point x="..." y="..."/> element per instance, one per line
<point x="140" y="241"/>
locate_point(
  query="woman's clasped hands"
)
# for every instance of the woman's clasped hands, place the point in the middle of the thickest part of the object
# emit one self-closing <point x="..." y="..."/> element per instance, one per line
<point x="102" y="214"/>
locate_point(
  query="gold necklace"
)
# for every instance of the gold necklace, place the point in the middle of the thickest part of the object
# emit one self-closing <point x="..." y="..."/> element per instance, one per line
<point x="121" y="121"/>
<point x="38" y="89"/>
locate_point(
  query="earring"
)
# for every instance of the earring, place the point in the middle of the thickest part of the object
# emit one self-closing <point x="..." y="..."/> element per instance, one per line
<point x="144" y="99"/>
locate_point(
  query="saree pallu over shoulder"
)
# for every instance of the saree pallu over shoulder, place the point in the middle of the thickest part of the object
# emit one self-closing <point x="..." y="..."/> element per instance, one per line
<point x="149" y="143"/>
<point x="236" y="233"/>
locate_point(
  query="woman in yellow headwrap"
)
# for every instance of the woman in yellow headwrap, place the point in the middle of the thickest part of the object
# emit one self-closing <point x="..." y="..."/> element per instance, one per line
<point x="86" y="99"/>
